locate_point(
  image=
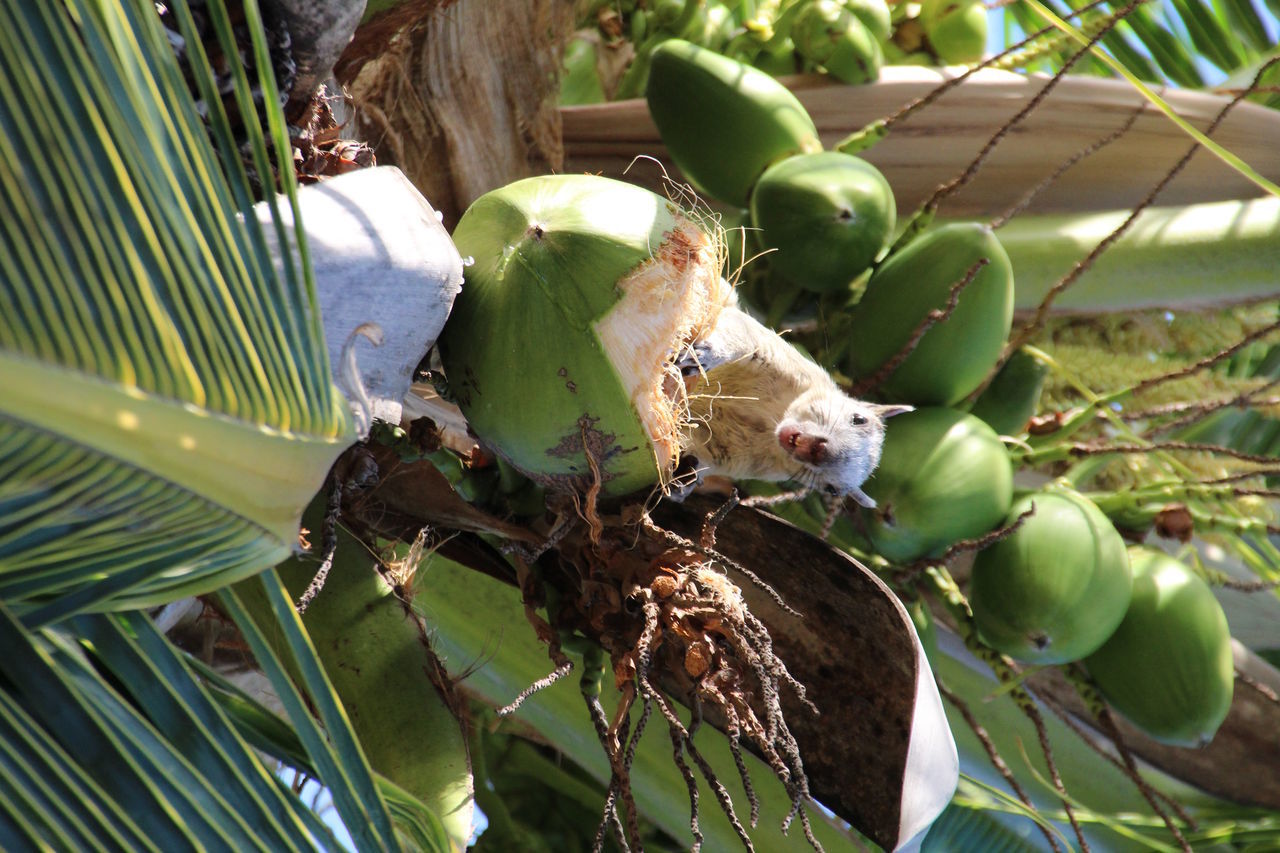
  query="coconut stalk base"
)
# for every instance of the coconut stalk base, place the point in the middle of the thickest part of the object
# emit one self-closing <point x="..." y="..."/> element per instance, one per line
<point x="675" y="629"/>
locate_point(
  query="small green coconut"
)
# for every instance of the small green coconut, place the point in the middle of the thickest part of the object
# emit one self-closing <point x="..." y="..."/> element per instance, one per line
<point x="827" y="215"/>
<point x="875" y="16"/>
<point x="943" y="476"/>
<point x="1056" y="588"/>
<point x="1168" y="667"/>
<point x="580" y="81"/>
<point x="560" y="349"/>
<point x="954" y="355"/>
<point x="956" y="29"/>
<point x="1013" y="396"/>
<point x="830" y="34"/>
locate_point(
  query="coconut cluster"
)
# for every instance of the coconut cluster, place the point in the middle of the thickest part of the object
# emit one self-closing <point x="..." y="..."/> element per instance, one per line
<point x="927" y="323"/>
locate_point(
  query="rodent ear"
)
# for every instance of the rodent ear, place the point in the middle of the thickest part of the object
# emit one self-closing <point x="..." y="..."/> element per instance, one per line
<point x="890" y="411"/>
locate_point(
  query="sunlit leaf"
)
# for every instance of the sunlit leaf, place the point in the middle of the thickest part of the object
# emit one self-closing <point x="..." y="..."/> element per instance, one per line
<point x="166" y="408"/>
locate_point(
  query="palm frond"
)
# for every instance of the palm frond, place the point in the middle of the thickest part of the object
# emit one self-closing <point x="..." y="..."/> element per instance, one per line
<point x="166" y="408"/>
<point x="1187" y="43"/>
<point x="162" y="769"/>
<point x="327" y="736"/>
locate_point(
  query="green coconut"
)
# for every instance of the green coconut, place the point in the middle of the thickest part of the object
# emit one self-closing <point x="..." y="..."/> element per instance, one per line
<point x="954" y="355"/>
<point x="956" y="29"/>
<point x="875" y="15"/>
<point x="827" y="215"/>
<point x="580" y="81"/>
<point x="1056" y="588"/>
<point x="831" y="35"/>
<point x="775" y="58"/>
<point x="1168" y="667"/>
<point x="723" y="122"/>
<point x="1013" y="396"/>
<point x="559" y="349"/>
<point x="943" y="476"/>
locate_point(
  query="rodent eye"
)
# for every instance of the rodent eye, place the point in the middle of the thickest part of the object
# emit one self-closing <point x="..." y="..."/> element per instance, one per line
<point x="831" y="490"/>
<point x="859" y="420"/>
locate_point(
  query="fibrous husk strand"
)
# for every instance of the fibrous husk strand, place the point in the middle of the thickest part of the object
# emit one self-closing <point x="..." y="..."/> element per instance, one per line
<point x="674" y="627"/>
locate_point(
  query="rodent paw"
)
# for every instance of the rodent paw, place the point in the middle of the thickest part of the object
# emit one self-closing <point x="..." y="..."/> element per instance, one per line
<point x="701" y="356"/>
<point x="686" y="478"/>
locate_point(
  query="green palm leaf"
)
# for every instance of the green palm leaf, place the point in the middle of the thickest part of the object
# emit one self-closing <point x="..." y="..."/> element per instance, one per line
<point x="88" y="766"/>
<point x="166" y="408"/>
<point x="1183" y="42"/>
<point x="959" y="828"/>
<point x="330" y="743"/>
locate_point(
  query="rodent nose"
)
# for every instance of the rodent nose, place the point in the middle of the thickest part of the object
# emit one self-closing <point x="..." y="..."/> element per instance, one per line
<point x="806" y="448"/>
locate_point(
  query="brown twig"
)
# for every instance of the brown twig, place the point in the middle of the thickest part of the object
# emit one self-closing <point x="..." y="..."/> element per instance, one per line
<point x="936" y="93"/>
<point x="1037" y="720"/>
<point x="713" y="519"/>
<point x="1127" y="767"/>
<point x="1113" y="733"/>
<point x="993" y="755"/>
<point x="556" y="674"/>
<point x="1042" y="310"/>
<point x="1243" y="475"/>
<point x="333" y="509"/>
<point x="679" y="541"/>
<point x="911" y="573"/>
<point x="1190" y="411"/>
<point x="1032" y="104"/>
<point x="1206" y="363"/>
<point x="592" y="496"/>
<point x="1049" y="180"/>
<point x="1249" y="586"/>
<point x="1181" y="446"/>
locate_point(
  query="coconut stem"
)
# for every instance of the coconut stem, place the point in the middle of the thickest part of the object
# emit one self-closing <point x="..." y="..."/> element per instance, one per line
<point x="1167" y="258"/>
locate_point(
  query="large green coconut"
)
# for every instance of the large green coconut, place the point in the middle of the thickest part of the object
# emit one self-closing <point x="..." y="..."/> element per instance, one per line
<point x="827" y="215"/>
<point x="560" y="347"/>
<point x="1056" y="588"/>
<point x="1168" y="666"/>
<point x="943" y="476"/>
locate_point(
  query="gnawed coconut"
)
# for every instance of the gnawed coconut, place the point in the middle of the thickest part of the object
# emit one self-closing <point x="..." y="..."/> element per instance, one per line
<point x="561" y="348"/>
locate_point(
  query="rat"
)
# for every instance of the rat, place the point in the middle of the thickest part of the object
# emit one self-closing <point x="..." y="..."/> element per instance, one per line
<point x="760" y="409"/>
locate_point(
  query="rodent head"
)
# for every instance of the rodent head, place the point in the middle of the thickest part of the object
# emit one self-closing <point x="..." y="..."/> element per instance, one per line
<point x="836" y="440"/>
